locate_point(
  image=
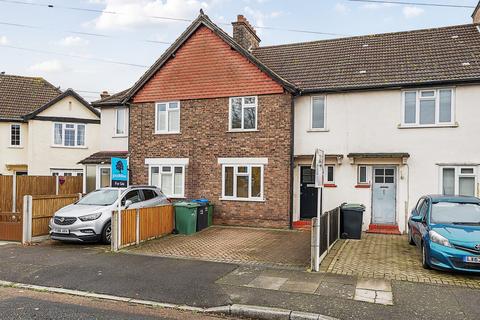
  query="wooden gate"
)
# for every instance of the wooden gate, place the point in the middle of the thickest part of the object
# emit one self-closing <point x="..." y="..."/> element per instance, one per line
<point x="11" y="226"/>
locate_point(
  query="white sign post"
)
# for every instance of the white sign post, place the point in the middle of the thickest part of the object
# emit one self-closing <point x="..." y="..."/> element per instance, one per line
<point x="318" y="164"/>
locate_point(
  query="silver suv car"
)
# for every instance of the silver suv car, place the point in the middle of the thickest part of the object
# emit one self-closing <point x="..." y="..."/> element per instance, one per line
<point x="88" y="219"/>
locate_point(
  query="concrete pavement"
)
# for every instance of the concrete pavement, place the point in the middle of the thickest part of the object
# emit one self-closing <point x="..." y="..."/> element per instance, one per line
<point x="197" y="283"/>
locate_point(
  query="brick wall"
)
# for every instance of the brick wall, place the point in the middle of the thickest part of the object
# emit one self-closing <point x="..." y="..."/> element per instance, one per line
<point x="204" y="138"/>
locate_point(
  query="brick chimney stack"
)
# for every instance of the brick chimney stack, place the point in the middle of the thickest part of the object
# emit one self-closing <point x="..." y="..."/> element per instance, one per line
<point x="244" y="33"/>
<point x="476" y="14"/>
<point x="104" y="95"/>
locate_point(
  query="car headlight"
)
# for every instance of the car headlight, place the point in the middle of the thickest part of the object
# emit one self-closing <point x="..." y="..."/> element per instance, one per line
<point x="90" y="217"/>
<point x="439" y="239"/>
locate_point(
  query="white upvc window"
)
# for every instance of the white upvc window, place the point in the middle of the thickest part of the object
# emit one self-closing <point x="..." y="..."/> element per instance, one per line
<point x="458" y="180"/>
<point x="243" y="113"/>
<point x="329" y="174"/>
<point x="169" y="178"/>
<point x="363" y="173"/>
<point x="167" y="117"/>
<point x="15" y="135"/>
<point x="69" y="134"/>
<point x="242" y="182"/>
<point x="121" y="122"/>
<point x="318" y="113"/>
<point x="429" y="107"/>
<point x="66" y="173"/>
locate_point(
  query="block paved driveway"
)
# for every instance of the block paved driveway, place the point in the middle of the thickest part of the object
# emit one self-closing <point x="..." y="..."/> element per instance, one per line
<point x="389" y="257"/>
<point x="252" y="246"/>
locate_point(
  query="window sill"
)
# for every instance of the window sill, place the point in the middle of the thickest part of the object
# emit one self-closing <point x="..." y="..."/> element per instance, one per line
<point x="15" y="147"/>
<point x="242" y="199"/>
<point x="422" y="126"/>
<point x="68" y="147"/>
<point x="329" y="185"/>
<point x="362" y="186"/>
<point x="165" y="133"/>
<point x="120" y="136"/>
<point x="318" y="130"/>
<point x="175" y="197"/>
<point x="241" y="130"/>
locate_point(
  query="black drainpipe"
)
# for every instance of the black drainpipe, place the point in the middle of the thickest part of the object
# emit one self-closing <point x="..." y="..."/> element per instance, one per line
<point x="292" y="136"/>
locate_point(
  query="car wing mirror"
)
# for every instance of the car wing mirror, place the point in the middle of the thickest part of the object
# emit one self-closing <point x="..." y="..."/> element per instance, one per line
<point x="128" y="203"/>
<point x="417" y="219"/>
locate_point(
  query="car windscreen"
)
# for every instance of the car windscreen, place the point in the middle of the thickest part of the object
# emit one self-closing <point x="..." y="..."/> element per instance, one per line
<point x="455" y="213"/>
<point x="103" y="197"/>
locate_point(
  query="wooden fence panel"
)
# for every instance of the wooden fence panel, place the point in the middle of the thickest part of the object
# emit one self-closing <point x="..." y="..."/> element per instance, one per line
<point x="43" y="208"/>
<point x="11" y="226"/>
<point x="70" y="185"/>
<point x="34" y="185"/>
<point x="6" y="195"/>
<point x="129" y="227"/>
<point x="155" y="221"/>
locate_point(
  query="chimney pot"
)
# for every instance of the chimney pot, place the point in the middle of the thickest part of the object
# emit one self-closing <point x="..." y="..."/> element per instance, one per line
<point x="104" y="95"/>
<point x="244" y="33"/>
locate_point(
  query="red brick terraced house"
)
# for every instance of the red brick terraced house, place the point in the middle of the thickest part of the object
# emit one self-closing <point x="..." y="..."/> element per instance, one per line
<point x="209" y="120"/>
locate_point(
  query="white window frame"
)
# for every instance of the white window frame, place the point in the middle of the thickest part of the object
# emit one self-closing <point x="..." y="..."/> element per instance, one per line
<point x="436" y="96"/>
<point x="20" y="138"/>
<point x="249" y="174"/>
<point x="61" y="172"/>
<point x="244" y="106"/>
<point x="172" y="172"/>
<point x="367" y="174"/>
<point x="75" y="128"/>
<point x="125" y="124"/>
<point x="458" y="175"/>
<point x="167" y="110"/>
<point x="311" y="128"/>
<point x="327" y="181"/>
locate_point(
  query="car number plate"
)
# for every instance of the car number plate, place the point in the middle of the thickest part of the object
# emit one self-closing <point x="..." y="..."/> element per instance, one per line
<point x="472" y="259"/>
<point x="63" y="231"/>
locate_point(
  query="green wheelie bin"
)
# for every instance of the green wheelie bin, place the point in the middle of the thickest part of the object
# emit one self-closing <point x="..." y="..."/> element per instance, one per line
<point x="186" y="217"/>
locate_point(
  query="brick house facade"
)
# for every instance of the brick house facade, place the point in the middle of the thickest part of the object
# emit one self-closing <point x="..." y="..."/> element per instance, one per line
<point x="202" y="75"/>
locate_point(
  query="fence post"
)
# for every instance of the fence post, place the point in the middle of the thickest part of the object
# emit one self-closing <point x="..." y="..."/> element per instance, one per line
<point x="14" y="192"/>
<point x="315" y="249"/>
<point x="328" y="231"/>
<point x="339" y="217"/>
<point x="27" y="220"/>
<point x="56" y="185"/>
<point x="113" y="236"/>
<point x="137" y="226"/>
<point x="80" y="196"/>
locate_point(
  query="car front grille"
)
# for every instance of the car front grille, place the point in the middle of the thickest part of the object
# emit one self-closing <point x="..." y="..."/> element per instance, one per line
<point x="64" y="221"/>
<point x="472" y="250"/>
<point x="459" y="263"/>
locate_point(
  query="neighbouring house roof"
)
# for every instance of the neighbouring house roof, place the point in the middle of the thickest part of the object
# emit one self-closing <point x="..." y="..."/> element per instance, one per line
<point x="430" y="56"/>
<point x="21" y="95"/>
<point x="103" y="157"/>
<point x="111" y="101"/>
<point x="67" y="93"/>
<point x="203" y="20"/>
<point x="476" y="9"/>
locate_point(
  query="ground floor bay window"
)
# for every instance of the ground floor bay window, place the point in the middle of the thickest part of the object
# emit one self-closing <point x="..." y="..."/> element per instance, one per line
<point x="458" y="180"/>
<point x="242" y="179"/>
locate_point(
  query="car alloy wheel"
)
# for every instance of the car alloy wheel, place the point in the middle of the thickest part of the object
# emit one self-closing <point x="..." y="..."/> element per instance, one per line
<point x="108" y="233"/>
<point x="410" y="237"/>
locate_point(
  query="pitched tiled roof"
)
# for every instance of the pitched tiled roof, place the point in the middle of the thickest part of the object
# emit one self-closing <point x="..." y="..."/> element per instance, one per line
<point x="22" y="95"/>
<point x="448" y="54"/>
<point x="103" y="157"/>
<point x="113" y="100"/>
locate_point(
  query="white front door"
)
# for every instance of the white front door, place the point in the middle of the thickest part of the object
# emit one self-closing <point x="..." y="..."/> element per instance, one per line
<point x="383" y="195"/>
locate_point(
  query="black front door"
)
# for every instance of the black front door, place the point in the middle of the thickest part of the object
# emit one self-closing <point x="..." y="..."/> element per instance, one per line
<point x="308" y="193"/>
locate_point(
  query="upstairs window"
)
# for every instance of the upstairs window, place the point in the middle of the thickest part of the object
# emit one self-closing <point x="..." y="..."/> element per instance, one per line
<point x="120" y="121"/>
<point x="243" y="114"/>
<point x="318" y="113"/>
<point x="167" y="117"/>
<point x="428" y="107"/>
<point x="69" y="134"/>
<point x="15" y="135"/>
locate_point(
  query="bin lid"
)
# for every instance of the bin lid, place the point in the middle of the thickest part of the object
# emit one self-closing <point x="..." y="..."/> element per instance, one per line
<point x="202" y="200"/>
<point x="353" y="206"/>
<point x="186" y="204"/>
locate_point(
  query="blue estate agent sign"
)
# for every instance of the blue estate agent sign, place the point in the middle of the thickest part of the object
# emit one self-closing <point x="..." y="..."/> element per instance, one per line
<point x="119" y="172"/>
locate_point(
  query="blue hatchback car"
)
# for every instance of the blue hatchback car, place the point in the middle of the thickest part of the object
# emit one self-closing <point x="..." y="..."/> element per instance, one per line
<point x="447" y="230"/>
